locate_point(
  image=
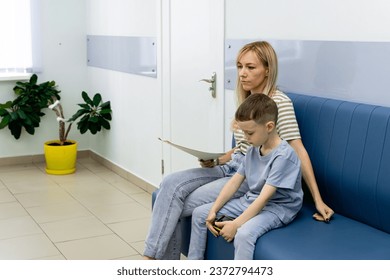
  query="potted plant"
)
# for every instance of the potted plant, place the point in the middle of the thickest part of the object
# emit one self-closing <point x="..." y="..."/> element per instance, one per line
<point x="26" y="112"/>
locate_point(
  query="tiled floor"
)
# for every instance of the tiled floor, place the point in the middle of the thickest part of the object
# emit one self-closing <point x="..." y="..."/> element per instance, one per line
<point x="92" y="214"/>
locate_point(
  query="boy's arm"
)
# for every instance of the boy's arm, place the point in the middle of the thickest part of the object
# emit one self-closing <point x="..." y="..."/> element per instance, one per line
<point x="229" y="228"/>
<point x="227" y="192"/>
<point x="224" y="196"/>
<point x="256" y="206"/>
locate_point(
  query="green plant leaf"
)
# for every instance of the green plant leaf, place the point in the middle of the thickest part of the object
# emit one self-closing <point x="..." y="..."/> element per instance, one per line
<point x="4" y="122"/>
<point x="15" y="128"/>
<point x="93" y="128"/>
<point x="107" y="117"/>
<point x="106" y="105"/>
<point x="6" y="105"/>
<point x="34" y="79"/>
<point x="78" y="114"/>
<point x="94" y="119"/>
<point x="97" y="99"/>
<point x="86" y="98"/>
<point x="14" y="116"/>
<point x="105" y="111"/>
<point x="85" y="106"/>
<point x="21" y="114"/>
<point x="30" y="129"/>
<point x="3" y="112"/>
<point x="105" y="124"/>
<point x="83" y="127"/>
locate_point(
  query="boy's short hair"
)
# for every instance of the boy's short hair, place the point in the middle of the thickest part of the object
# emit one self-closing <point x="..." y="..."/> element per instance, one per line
<point x="257" y="107"/>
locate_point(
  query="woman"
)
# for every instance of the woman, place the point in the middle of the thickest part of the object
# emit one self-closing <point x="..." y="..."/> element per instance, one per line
<point x="181" y="192"/>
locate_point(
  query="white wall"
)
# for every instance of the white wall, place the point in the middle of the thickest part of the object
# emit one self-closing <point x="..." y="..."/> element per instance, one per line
<point x="323" y="20"/>
<point x="347" y="20"/>
<point x="64" y="56"/>
<point x="135" y="100"/>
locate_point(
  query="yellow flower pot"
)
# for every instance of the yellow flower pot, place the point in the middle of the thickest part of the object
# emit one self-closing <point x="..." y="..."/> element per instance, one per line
<point x="60" y="160"/>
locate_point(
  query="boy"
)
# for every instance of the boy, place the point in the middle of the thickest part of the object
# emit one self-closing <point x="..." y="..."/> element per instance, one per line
<point x="271" y="173"/>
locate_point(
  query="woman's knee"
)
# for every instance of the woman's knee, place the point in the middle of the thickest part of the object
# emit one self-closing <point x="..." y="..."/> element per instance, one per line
<point x="200" y="213"/>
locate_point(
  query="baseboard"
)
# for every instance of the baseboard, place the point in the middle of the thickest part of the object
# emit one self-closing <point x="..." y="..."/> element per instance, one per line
<point x="123" y="173"/>
<point x="6" y="161"/>
<point x="34" y="158"/>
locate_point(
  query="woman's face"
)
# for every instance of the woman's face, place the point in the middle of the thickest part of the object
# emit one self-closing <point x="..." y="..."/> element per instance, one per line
<point x="252" y="73"/>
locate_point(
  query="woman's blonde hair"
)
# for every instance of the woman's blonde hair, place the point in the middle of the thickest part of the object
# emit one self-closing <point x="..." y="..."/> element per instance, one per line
<point x="267" y="56"/>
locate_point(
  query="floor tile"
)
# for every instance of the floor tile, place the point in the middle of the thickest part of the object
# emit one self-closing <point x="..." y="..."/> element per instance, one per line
<point x="87" y="186"/>
<point x="6" y="196"/>
<point x="131" y="231"/>
<point x="58" y="212"/>
<point x="120" y="183"/>
<point x="80" y="174"/>
<point x="135" y="257"/>
<point x="75" y="229"/>
<point x="106" y="247"/>
<point x="48" y="258"/>
<point x="111" y="197"/>
<point x="18" y="226"/>
<point x="94" y="166"/>
<point x="143" y="198"/>
<point x="28" y="186"/>
<point x="25" y="176"/>
<point x="138" y="246"/>
<point x="16" y="168"/>
<point x="28" y="247"/>
<point x="91" y="214"/>
<point x="50" y="196"/>
<point x="120" y="212"/>
<point x="11" y="210"/>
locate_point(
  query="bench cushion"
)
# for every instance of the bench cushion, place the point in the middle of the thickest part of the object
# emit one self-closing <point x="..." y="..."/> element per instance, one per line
<point x="306" y="239"/>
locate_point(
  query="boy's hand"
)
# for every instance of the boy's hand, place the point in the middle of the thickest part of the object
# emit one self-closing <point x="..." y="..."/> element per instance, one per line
<point x="210" y="223"/>
<point x="228" y="230"/>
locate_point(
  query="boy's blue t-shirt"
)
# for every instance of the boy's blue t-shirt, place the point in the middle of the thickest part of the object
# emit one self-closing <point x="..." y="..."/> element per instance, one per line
<point x="281" y="168"/>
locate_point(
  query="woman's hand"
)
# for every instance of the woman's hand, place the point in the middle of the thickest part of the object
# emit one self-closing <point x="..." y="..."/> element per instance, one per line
<point x="207" y="163"/>
<point x="324" y="214"/>
<point x="219" y="161"/>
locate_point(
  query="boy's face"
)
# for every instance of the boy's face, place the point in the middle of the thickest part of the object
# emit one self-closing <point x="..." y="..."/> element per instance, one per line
<point x="256" y="134"/>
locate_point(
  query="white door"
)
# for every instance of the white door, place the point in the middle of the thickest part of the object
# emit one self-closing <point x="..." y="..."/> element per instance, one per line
<point x="196" y="47"/>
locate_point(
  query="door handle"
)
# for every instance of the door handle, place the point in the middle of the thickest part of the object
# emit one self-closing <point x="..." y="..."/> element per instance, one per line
<point x="213" y="82"/>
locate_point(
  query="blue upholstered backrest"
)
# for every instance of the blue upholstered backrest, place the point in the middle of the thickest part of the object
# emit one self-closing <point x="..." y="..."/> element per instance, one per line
<point x="349" y="146"/>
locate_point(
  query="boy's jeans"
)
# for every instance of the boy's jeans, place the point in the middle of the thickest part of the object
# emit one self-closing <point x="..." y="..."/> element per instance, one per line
<point x="180" y="193"/>
<point x="246" y="236"/>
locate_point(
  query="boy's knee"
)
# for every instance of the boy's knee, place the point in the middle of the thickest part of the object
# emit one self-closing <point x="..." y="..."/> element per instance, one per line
<point x="243" y="236"/>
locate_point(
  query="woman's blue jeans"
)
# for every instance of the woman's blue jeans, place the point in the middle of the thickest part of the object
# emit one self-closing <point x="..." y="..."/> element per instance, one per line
<point x="180" y="193"/>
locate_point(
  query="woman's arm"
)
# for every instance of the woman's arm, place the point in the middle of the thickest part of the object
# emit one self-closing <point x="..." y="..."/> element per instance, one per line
<point x="221" y="160"/>
<point x="308" y="175"/>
